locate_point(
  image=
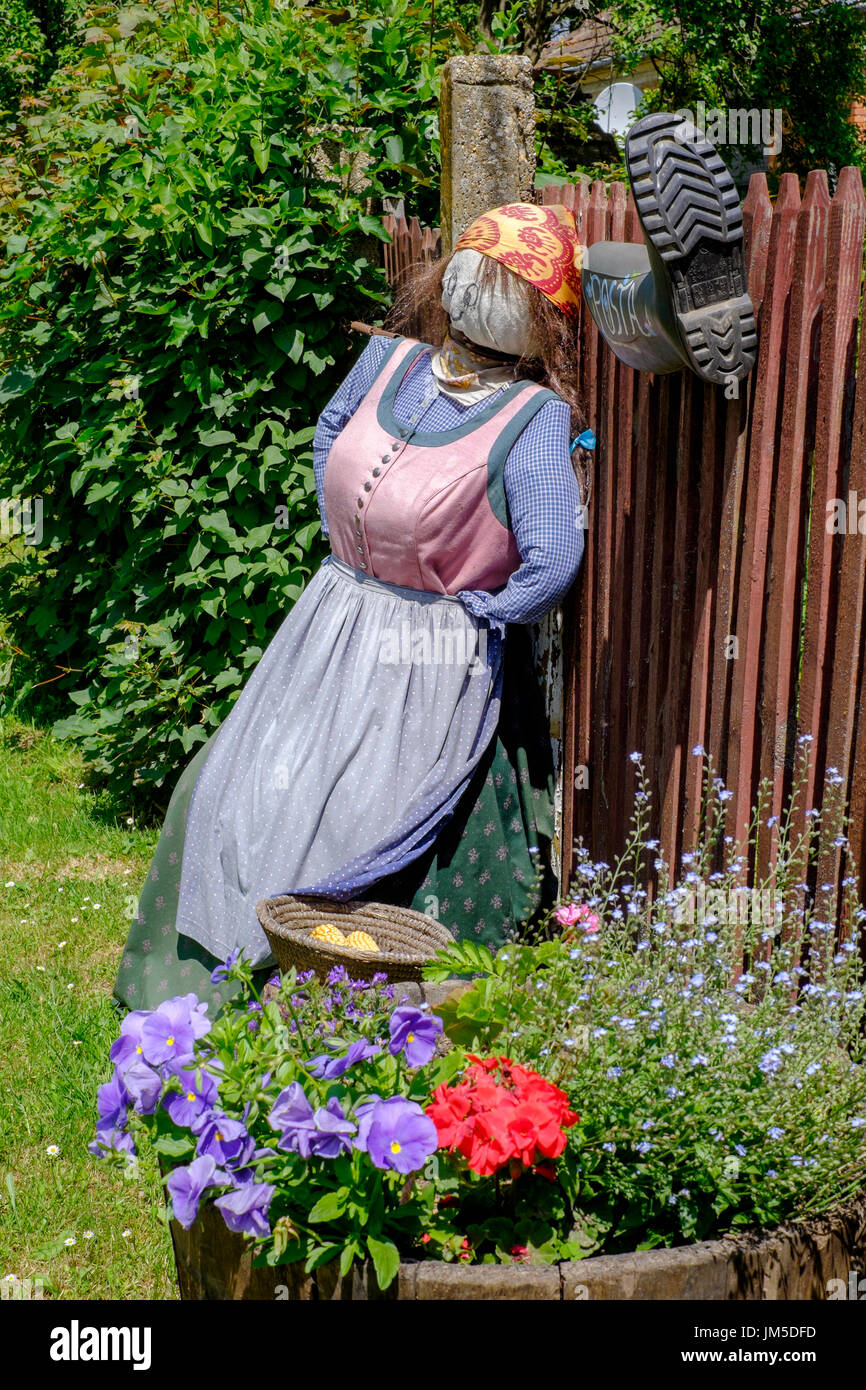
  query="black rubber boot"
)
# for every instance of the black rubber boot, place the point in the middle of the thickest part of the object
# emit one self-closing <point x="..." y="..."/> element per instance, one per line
<point x="682" y="300"/>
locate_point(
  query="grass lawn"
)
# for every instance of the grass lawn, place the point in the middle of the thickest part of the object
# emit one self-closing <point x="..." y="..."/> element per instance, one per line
<point x="70" y="869"/>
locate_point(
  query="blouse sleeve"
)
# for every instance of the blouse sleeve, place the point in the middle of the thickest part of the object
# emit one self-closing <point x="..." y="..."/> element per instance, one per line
<point x="340" y="409"/>
<point x="546" y="518"/>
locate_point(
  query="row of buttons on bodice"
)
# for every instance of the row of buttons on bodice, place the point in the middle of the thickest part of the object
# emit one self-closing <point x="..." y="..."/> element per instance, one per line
<point x="397" y="446"/>
<point x="363" y="562"/>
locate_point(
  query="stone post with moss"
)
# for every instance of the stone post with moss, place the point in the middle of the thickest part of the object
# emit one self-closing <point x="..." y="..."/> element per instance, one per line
<point x="487" y="128"/>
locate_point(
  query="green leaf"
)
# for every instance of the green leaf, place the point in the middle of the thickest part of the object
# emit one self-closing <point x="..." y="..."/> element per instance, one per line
<point x="329" y="1207"/>
<point x="261" y="152"/>
<point x="321" y="1255"/>
<point x="216" y="437"/>
<point x="173" y="1146"/>
<point x="14" y="384"/>
<point x="373" y="227"/>
<point x="101" y="491"/>
<point x="267" y="312"/>
<point x="386" y="1260"/>
<point x="219" y="522"/>
<point x="290" y="341"/>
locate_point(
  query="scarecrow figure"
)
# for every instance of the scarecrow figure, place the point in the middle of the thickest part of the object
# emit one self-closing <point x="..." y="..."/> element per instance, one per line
<point x="384" y="745"/>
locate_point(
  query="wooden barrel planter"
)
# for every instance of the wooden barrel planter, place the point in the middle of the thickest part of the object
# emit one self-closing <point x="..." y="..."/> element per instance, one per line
<point x="794" y="1262"/>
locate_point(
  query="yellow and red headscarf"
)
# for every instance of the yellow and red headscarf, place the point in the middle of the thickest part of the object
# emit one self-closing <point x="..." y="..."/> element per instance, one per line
<point x="538" y="243"/>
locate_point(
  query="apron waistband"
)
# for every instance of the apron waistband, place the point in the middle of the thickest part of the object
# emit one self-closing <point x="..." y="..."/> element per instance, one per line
<point x="370" y="581"/>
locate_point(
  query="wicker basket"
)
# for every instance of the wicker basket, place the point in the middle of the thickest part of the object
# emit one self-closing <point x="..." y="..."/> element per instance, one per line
<point x="407" y="940"/>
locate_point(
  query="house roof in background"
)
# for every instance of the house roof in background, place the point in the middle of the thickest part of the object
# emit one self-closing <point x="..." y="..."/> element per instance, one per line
<point x="587" y="46"/>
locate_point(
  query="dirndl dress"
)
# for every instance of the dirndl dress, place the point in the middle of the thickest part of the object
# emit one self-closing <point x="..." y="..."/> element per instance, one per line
<point x="380" y="747"/>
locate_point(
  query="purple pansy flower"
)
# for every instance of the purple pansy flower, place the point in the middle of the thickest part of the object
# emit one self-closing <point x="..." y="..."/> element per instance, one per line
<point x="144" y="1086"/>
<point x="186" y="1105"/>
<point x="396" y="1134"/>
<point x="201" y="1024"/>
<point x="414" y="1033"/>
<point x="128" y="1046"/>
<point x="112" y="1103"/>
<point x="111" y="1140"/>
<point x="221" y="972"/>
<point x="186" y="1187"/>
<point x="329" y="1068"/>
<point x="331" y="1137"/>
<point x="168" y="1035"/>
<point x="292" y="1114"/>
<point x="324" y="1132"/>
<point x="224" y="1139"/>
<point x="246" y="1208"/>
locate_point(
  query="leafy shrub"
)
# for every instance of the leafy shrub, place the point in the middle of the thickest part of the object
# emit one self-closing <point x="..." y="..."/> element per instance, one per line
<point x="711" y="1039"/>
<point x="34" y="36"/>
<point x="24" y="53"/>
<point x="197" y="229"/>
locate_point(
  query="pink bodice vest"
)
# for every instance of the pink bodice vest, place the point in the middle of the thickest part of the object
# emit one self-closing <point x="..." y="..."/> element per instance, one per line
<point x="425" y="510"/>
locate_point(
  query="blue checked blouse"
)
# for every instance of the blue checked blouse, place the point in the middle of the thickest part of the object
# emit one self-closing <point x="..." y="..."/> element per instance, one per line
<point x="542" y="491"/>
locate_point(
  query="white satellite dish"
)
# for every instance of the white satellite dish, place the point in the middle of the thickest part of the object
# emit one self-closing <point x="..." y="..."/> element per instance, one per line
<point x="615" y="107"/>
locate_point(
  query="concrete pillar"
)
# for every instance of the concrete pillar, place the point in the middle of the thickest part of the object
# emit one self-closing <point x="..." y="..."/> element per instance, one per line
<point x="487" y="129"/>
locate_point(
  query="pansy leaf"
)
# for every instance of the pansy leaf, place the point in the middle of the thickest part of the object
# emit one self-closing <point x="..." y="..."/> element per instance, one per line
<point x="321" y="1255"/>
<point x="386" y="1260"/>
<point x="174" y="1145"/>
<point x="329" y="1207"/>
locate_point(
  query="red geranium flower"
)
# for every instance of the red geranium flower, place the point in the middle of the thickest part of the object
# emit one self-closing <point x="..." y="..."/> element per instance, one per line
<point x="489" y="1145"/>
<point x="448" y="1112"/>
<point x="501" y="1114"/>
<point x="545" y="1170"/>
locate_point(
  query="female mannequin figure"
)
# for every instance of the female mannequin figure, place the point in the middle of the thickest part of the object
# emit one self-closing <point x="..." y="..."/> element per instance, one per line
<point x="368" y="737"/>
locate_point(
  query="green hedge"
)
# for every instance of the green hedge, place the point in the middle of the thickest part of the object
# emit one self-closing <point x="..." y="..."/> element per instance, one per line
<point x="179" y="276"/>
<point x="24" y="53"/>
<point x="34" y="37"/>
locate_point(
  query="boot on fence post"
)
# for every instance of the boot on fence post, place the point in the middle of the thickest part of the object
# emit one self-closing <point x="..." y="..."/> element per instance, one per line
<point x="682" y="299"/>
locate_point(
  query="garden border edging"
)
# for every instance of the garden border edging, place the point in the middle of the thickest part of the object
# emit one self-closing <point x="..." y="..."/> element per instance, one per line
<point x="795" y="1262"/>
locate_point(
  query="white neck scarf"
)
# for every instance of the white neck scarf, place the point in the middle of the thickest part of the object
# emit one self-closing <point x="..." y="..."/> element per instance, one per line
<point x="466" y="376"/>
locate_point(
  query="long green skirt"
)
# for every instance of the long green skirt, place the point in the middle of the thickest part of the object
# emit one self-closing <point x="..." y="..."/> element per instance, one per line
<point x="487" y="874"/>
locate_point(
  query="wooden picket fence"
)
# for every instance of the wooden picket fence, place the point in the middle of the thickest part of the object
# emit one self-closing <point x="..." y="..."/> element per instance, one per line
<point x="410" y="245"/>
<point x="714" y="607"/>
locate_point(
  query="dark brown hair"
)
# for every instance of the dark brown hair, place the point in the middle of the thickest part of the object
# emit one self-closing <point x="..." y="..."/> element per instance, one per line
<point x="417" y="313"/>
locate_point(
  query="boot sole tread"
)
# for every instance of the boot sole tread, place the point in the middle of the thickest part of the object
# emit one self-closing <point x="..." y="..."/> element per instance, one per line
<point x="690" y="212"/>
